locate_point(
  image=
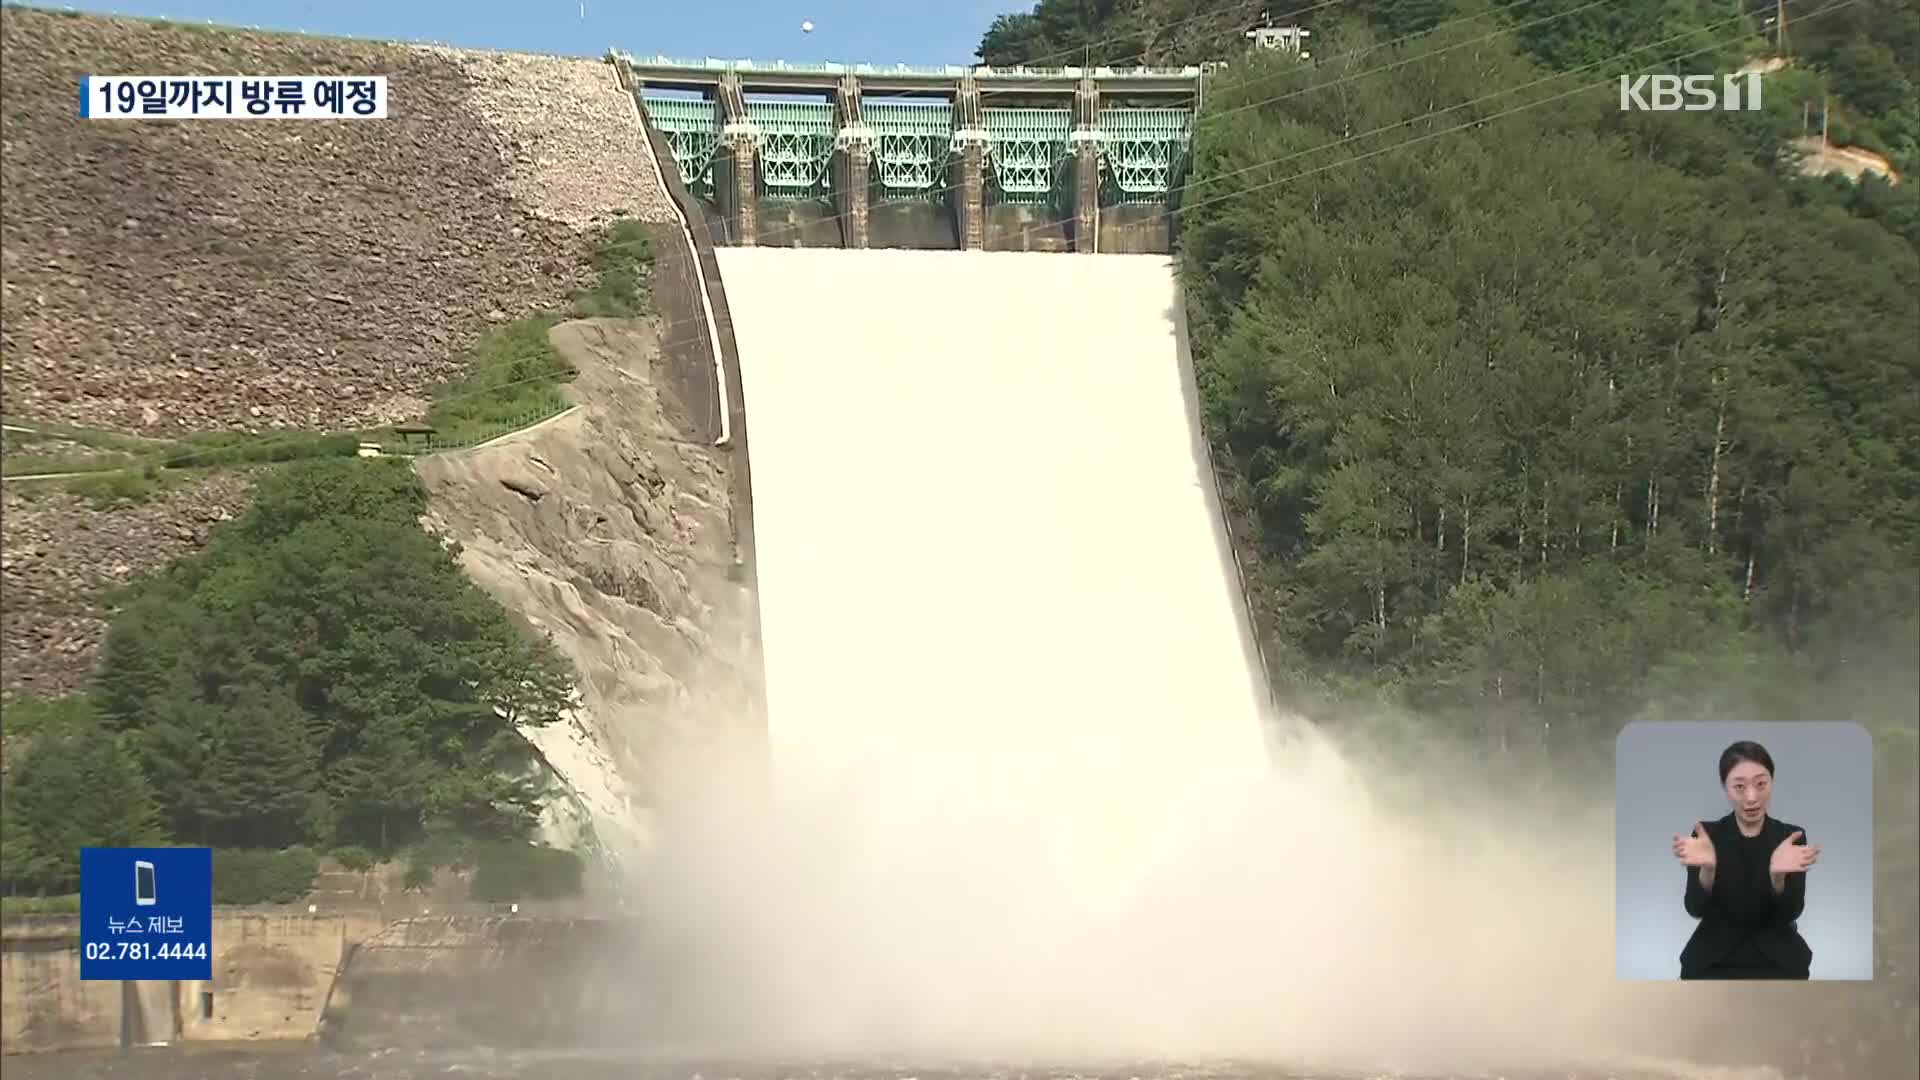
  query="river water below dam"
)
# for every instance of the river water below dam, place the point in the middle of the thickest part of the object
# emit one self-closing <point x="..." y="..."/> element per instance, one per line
<point x="306" y="1062"/>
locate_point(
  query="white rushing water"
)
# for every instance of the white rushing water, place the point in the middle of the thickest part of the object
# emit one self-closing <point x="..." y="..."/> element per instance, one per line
<point x="986" y="536"/>
<point x="1022" y="803"/>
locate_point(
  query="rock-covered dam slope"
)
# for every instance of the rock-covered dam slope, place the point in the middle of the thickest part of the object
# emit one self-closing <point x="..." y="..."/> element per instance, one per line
<point x="171" y="276"/>
<point x="163" y="278"/>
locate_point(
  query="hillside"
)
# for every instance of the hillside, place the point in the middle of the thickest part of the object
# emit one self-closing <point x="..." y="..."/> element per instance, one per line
<point x="167" y="278"/>
<point x="297" y="666"/>
<point x="175" y="276"/>
<point x="1855" y="59"/>
<point x="1541" y="417"/>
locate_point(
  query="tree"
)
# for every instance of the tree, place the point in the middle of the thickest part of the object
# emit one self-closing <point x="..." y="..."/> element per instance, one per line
<point x="1635" y="34"/>
<point x="74" y="787"/>
<point x="325" y="672"/>
<point x="1398" y="18"/>
<point x="1528" y="411"/>
<point x="267" y="782"/>
<point x="1120" y="33"/>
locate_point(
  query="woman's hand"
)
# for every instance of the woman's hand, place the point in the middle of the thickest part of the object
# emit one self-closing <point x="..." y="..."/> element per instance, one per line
<point x="1792" y="857"/>
<point x="1696" y="849"/>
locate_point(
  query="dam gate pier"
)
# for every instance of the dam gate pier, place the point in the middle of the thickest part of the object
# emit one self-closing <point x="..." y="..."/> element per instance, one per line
<point x="939" y="158"/>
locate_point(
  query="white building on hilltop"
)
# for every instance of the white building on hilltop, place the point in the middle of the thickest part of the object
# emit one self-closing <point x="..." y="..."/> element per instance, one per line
<point x="1291" y="39"/>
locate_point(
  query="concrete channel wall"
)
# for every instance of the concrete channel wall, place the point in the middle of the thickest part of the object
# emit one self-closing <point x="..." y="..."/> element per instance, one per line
<point x="272" y="972"/>
<point x="688" y="288"/>
<point x="504" y="982"/>
<point x="357" y="976"/>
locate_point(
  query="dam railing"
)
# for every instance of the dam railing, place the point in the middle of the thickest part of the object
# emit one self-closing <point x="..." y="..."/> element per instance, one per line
<point x="1065" y="142"/>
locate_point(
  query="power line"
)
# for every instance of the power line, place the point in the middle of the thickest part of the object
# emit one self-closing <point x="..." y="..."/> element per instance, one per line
<point x="664" y="325"/>
<point x="1234" y="16"/>
<point x="1496" y="10"/>
<point x="1215" y="116"/>
<point x="1583" y="88"/>
<point x="1408" y="122"/>
<point x="1590" y="65"/>
<point x="1457" y="127"/>
<point x="191" y="249"/>
<point x="1268" y="163"/>
<point x="948" y="188"/>
<point x="1273" y="99"/>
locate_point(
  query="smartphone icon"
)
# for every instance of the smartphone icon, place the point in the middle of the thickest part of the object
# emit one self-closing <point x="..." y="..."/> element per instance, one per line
<point x="144" y="893"/>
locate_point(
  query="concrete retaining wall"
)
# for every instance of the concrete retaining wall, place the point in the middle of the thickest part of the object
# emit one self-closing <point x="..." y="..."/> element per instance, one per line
<point x="43" y="1003"/>
<point x="1137" y="230"/>
<point x="355" y="978"/>
<point x="689" y="354"/>
<point x="460" y="981"/>
<point x="272" y="971"/>
<point x="925" y="226"/>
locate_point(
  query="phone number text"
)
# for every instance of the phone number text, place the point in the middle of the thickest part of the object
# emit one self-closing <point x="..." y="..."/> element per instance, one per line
<point x="142" y="950"/>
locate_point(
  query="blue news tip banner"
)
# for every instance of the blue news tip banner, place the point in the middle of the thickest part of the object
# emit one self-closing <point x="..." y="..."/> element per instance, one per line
<point x="146" y="913"/>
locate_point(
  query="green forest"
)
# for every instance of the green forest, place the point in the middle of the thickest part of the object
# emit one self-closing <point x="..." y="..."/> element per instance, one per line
<point x="1541" y="417"/>
<point x="1538" y="410"/>
<point x="1864" y="54"/>
<point x="323" y="677"/>
<point x="1541" y="403"/>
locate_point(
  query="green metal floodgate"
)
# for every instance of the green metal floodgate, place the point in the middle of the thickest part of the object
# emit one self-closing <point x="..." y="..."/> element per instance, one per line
<point x="910" y="146"/>
<point x="1027" y="147"/>
<point x="692" y="129"/>
<point x="1145" y="152"/>
<point x="796" y="147"/>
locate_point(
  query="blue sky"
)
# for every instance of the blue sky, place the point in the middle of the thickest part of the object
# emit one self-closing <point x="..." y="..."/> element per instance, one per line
<point x="869" y="31"/>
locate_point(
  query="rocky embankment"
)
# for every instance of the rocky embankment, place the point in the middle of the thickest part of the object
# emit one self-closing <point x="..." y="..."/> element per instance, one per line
<point x="611" y="529"/>
<point x="160" y="278"/>
<point x="62" y="556"/>
<point x="177" y="276"/>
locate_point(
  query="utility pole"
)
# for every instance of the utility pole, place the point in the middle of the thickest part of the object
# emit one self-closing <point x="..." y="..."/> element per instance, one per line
<point x="1780" y="27"/>
<point x="1826" y="104"/>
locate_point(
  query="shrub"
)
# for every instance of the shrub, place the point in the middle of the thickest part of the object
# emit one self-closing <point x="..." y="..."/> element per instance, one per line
<point x="263" y="877"/>
<point x="509" y="871"/>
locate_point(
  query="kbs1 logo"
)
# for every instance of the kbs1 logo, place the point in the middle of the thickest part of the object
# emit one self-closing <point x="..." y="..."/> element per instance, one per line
<point x="1690" y="93"/>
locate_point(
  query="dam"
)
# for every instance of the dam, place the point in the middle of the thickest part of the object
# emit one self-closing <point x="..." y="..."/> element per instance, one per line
<point x="1025" y="799"/>
<point x="1047" y="567"/>
<point x="951" y="157"/>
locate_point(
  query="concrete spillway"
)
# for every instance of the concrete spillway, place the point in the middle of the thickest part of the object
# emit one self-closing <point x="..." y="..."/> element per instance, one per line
<point x="988" y="557"/>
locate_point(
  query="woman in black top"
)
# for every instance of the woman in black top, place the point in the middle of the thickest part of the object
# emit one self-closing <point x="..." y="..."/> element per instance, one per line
<point x="1746" y="881"/>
